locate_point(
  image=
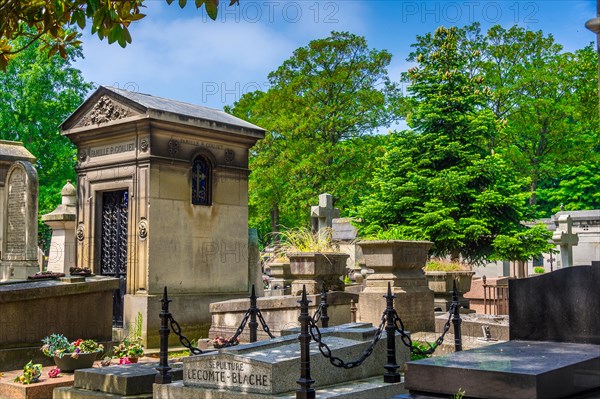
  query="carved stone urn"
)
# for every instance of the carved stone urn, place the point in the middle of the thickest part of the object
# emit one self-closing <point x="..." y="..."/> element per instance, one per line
<point x="317" y="271"/>
<point x="399" y="263"/>
<point x="442" y="283"/>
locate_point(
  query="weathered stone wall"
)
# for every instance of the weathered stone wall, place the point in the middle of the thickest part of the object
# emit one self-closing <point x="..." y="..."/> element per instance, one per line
<point x="31" y="311"/>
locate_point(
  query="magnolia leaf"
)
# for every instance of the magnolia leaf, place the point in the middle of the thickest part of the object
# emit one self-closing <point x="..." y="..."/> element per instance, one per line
<point x="136" y="17"/>
<point x="182" y="3"/>
<point x="199" y="3"/>
<point x="212" y="8"/>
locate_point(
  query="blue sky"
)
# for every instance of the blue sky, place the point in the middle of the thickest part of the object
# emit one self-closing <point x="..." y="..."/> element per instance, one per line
<point x="183" y="55"/>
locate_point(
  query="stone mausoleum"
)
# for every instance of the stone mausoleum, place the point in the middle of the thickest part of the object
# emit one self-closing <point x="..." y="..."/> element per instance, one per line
<point x="162" y="200"/>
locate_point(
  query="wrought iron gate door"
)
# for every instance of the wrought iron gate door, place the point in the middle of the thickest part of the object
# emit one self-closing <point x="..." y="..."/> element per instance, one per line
<point x="113" y="259"/>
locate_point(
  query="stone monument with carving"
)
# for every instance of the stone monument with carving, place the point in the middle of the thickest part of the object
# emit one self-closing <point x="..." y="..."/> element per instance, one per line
<point x="20" y="229"/>
<point x="62" y="222"/>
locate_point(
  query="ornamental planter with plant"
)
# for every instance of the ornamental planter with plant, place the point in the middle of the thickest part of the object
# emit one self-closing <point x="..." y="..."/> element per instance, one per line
<point x="315" y="262"/>
<point x="71" y="356"/>
<point x="441" y="275"/>
<point x="130" y="349"/>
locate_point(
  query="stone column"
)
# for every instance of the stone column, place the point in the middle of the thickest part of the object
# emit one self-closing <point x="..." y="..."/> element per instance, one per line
<point x="62" y="222"/>
<point x="399" y="263"/>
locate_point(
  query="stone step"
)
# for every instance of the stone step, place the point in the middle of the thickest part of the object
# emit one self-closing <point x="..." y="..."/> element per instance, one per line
<point x="39" y="390"/>
<point x="77" y="393"/>
<point x="124" y="380"/>
<point x="370" y="388"/>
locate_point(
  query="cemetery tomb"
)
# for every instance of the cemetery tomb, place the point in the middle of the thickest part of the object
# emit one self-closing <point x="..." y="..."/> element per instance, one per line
<point x="162" y="200"/>
<point x="554" y="351"/>
<point x="268" y="369"/>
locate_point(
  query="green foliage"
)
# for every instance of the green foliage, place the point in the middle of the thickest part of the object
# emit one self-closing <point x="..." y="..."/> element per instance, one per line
<point x="420" y="345"/>
<point x="459" y="395"/>
<point x="37" y="94"/>
<point x="321" y="104"/>
<point x="53" y="24"/>
<point x="303" y="240"/>
<point x="444" y="265"/>
<point x="439" y="182"/>
<point x="129" y="347"/>
<point x="523" y="244"/>
<point x="546" y="99"/>
<point x="575" y="188"/>
<point x="539" y="269"/>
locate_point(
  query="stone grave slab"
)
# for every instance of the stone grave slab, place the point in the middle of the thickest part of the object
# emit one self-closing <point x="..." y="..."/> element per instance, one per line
<point x="513" y="369"/>
<point x="40" y="390"/>
<point x="119" y="381"/>
<point x="268" y="369"/>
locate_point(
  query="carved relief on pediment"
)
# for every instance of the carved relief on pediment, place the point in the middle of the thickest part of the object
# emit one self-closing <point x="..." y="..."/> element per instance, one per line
<point x="105" y="110"/>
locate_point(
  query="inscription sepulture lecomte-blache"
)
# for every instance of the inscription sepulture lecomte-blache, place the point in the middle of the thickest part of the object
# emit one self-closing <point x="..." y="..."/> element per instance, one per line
<point x="228" y="373"/>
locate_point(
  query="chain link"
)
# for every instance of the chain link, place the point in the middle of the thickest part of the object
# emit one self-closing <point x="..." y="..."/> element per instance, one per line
<point x="265" y="327"/>
<point x="182" y="338"/>
<point x="407" y="341"/>
<point x="336" y="361"/>
<point x="317" y="316"/>
<point x="233" y="340"/>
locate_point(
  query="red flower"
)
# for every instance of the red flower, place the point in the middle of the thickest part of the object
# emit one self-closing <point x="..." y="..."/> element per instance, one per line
<point x="79" y="341"/>
<point x="53" y="373"/>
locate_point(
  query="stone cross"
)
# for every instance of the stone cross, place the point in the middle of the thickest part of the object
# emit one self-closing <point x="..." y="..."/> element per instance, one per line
<point x="322" y="216"/>
<point x="565" y="237"/>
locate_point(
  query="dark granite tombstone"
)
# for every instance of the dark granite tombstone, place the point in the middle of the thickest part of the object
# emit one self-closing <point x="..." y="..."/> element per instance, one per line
<point x="553" y="352"/>
<point x="562" y="306"/>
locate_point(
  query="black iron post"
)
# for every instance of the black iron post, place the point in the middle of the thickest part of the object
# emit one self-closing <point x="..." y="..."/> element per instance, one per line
<point x="324" y="306"/>
<point x="164" y="376"/>
<point x="253" y="311"/>
<point x="392" y="374"/>
<point x="305" y="391"/>
<point x="456" y="319"/>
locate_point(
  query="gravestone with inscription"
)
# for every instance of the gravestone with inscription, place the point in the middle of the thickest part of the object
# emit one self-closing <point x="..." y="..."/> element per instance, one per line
<point x="269" y="369"/>
<point x="162" y="200"/>
<point x="19" y="246"/>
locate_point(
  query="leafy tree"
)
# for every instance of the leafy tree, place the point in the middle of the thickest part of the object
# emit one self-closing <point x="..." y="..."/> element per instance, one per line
<point x="48" y="22"/>
<point x="440" y="182"/>
<point x="547" y="101"/>
<point x="321" y="104"/>
<point x="523" y="244"/>
<point x="37" y="94"/>
<point x="577" y="187"/>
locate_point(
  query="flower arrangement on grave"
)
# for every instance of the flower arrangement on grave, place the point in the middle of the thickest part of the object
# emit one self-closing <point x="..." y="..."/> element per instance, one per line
<point x="220" y="342"/>
<point x="129" y="348"/>
<point x="31" y="373"/>
<point x="80" y="271"/>
<point x="57" y="345"/>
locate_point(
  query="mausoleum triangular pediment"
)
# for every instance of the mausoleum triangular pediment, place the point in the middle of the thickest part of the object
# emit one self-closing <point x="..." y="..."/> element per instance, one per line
<point x="102" y="107"/>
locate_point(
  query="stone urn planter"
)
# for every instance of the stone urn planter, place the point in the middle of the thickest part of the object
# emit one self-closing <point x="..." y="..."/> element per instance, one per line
<point x="441" y="283"/>
<point x="68" y="364"/>
<point x="317" y="271"/>
<point x="399" y="263"/>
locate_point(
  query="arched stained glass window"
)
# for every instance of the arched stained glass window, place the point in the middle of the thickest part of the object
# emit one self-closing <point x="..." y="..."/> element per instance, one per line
<point x="201" y="181"/>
